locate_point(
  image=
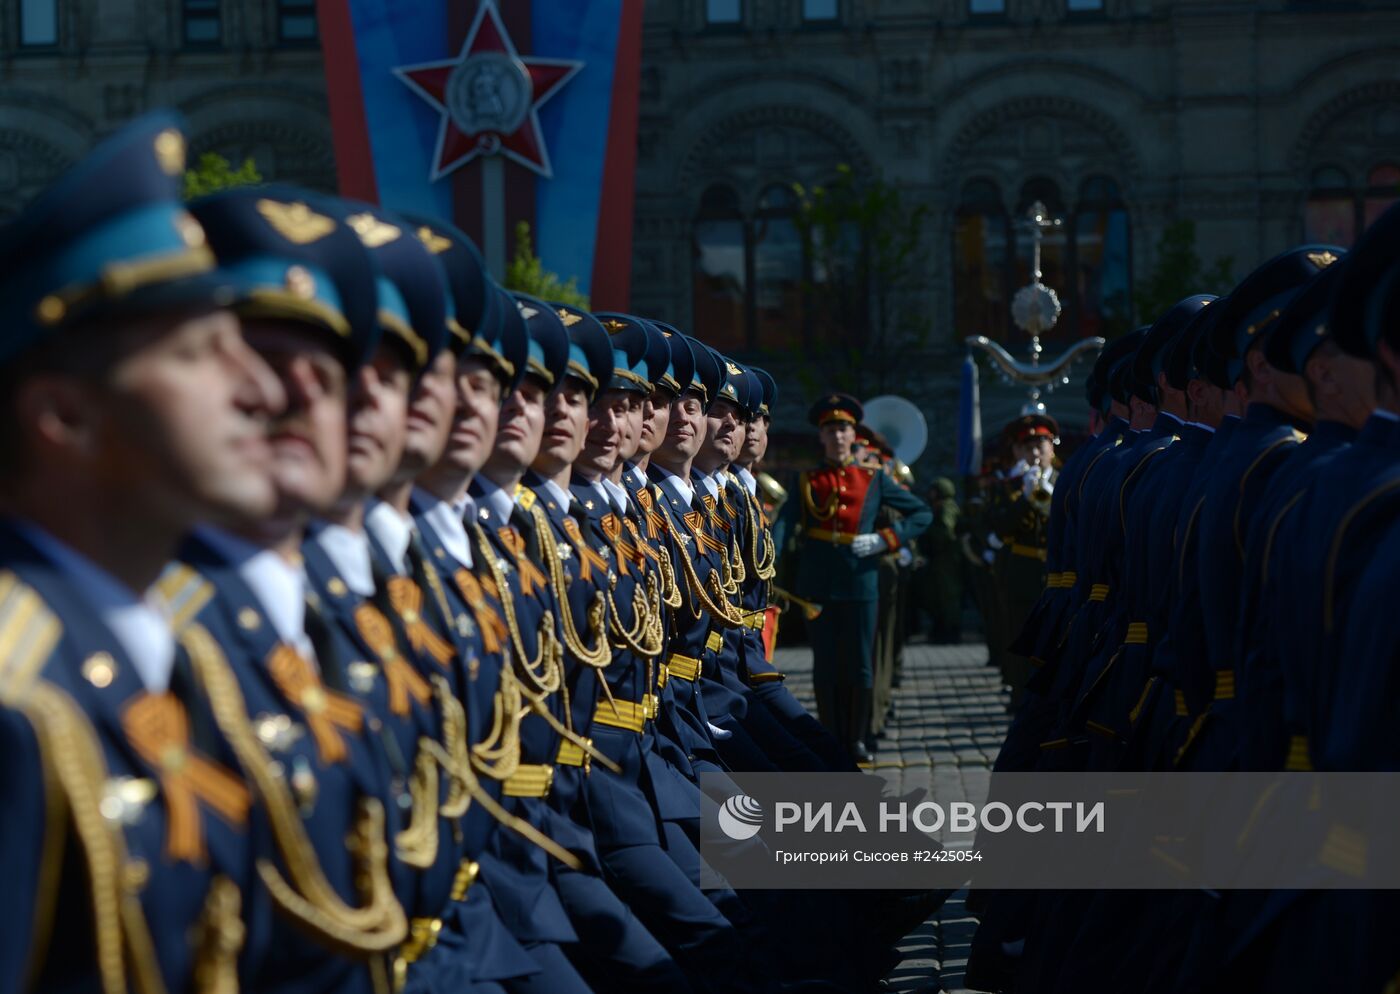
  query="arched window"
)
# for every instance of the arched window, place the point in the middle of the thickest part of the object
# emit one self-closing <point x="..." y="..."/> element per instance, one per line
<point x="1086" y="259"/>
<point x="720" y="270"/>
<point x="1102" y="261"/>
<point x="38" y="23"/>
<point x="981" y="266"/>
<point x="778" y="269"/>
<point x="1337" y="212"/>
<point x="1330" y="214"/>
<point x="1382" y="190"/>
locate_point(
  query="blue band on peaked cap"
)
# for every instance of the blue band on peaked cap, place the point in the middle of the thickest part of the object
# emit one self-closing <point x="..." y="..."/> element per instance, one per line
<point x="770" y="391"/>
<point x="683" y="360"/>
<point x="591" y="355"/>
<point x="297" y="259"/>
<point x="661" y="370"/>
<point x="630" y="342"/>
<point x="513" y="338"/>
<point x="471" y="290"/>
<point x="548" y="358"/>
<point x="112" y="236"/>
<point x="1255" y="305"/>
<point x="415" y="303"/>
<point x="709" y="371"/>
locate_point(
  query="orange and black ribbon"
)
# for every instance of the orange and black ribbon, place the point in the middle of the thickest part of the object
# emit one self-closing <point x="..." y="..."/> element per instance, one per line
<point x="158" y="729"/>
<point x="716" y="520"/>
<point x="588" y="558"/>
<point x="704" y="541"/>
<point x="530" y="574"/>
<point x="625" y="550"/>
<point x="656" y="524"/>
<point x="488" y="620"/>
<point x="326" y="711"/>
<point x="643" y="546"/>
<point x="403" y="680"/>
<point x="406" y="598"/>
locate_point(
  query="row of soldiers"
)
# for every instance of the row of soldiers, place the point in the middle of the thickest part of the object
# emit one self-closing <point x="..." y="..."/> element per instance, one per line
<point x="1220" y="558"/>
<point x="368" y="628"/>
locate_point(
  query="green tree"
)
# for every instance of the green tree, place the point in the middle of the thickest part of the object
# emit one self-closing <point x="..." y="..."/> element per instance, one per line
<point x="213" y="173"/>
<point x="863" y="238"/>
<point x="527" y="274"/>
<point x="1178" y="271"/>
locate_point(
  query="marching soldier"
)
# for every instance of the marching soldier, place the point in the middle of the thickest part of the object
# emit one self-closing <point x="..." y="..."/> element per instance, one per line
<point x="836" y="513"/>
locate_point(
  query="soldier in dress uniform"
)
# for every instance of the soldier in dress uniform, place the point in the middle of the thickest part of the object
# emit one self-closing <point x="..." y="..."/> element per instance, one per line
<point x="134" y="411"/>
<point x="836" y="512"/>
<point x="1017" y="525"/>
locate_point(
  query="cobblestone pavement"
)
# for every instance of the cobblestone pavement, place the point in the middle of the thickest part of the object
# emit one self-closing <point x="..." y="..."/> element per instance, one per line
<point x="949" y="720"/>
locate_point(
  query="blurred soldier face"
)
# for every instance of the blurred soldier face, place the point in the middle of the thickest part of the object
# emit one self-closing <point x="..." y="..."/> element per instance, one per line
<point x="656" y="417"/>
<point x="608" y="424"/>
<point x="1036" y="451"/>
<point x="521" y="428"/>
<point x="685" y="432"/>
<point x="475" y="416"/>
<point x="175" y="424"/>
<point x="631" y="428"/>
<point x="755" y="442"/>
<point x="1342" y="386"/>
<point x="565" y="425"/>
<point x="378" y="406"/>
<point x="837" y="438"/>
<point x="431" y="408"/>
<point x="309" y="450"/>
<point x="723" y="436"/>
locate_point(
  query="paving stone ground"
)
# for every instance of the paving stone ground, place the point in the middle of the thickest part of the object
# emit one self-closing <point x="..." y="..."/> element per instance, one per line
<point x="949" y="720"/>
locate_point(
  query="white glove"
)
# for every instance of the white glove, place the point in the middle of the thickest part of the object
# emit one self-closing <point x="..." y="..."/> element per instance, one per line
<point x="905" y="557"/>
<point x="989" y="557"/>
<point x="718" y="733"/>
<point x="868" y="544"/>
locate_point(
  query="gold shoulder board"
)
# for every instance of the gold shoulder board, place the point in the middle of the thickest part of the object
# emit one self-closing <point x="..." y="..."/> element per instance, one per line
<point x="29" y="631"/>
<point x="184" y="593"/>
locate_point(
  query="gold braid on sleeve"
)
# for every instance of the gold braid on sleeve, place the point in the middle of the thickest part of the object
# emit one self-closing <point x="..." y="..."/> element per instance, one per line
<point x="375" y="927"/>
<point x="417" y="843"/>
<point x="544" y="673"/>
<point x="600" y="653"/>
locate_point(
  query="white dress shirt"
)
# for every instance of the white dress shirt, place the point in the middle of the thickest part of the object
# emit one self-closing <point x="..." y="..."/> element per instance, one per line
<point x="140" y="626"/>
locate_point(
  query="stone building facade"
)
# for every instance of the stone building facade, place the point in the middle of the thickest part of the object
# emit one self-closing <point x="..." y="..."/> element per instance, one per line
<point x="1264" y="123"/>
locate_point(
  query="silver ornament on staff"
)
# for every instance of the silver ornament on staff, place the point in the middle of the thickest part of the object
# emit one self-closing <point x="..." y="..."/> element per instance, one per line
<point x="1035" y="309"/>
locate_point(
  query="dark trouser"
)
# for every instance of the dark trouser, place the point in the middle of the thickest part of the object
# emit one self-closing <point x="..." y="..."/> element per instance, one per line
<point x="615" y="951"/>
<point x="843" y="638"/>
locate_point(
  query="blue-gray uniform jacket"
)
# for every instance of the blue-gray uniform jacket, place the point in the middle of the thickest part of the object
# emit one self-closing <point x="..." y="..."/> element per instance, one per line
<point x="316" y="761"/>
<point x="89" y="801"/>
<point x="1262" y="739"/>
<point x="1260" y="444"/>
<point x="1181" y="642"/>
<point x="528" y="902"/>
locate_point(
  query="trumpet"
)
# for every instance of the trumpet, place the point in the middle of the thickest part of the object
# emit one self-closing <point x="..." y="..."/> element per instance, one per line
<point x="772" y="493"/>
<point x="810" y="611"/>
<point x="1038" y="488"/>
